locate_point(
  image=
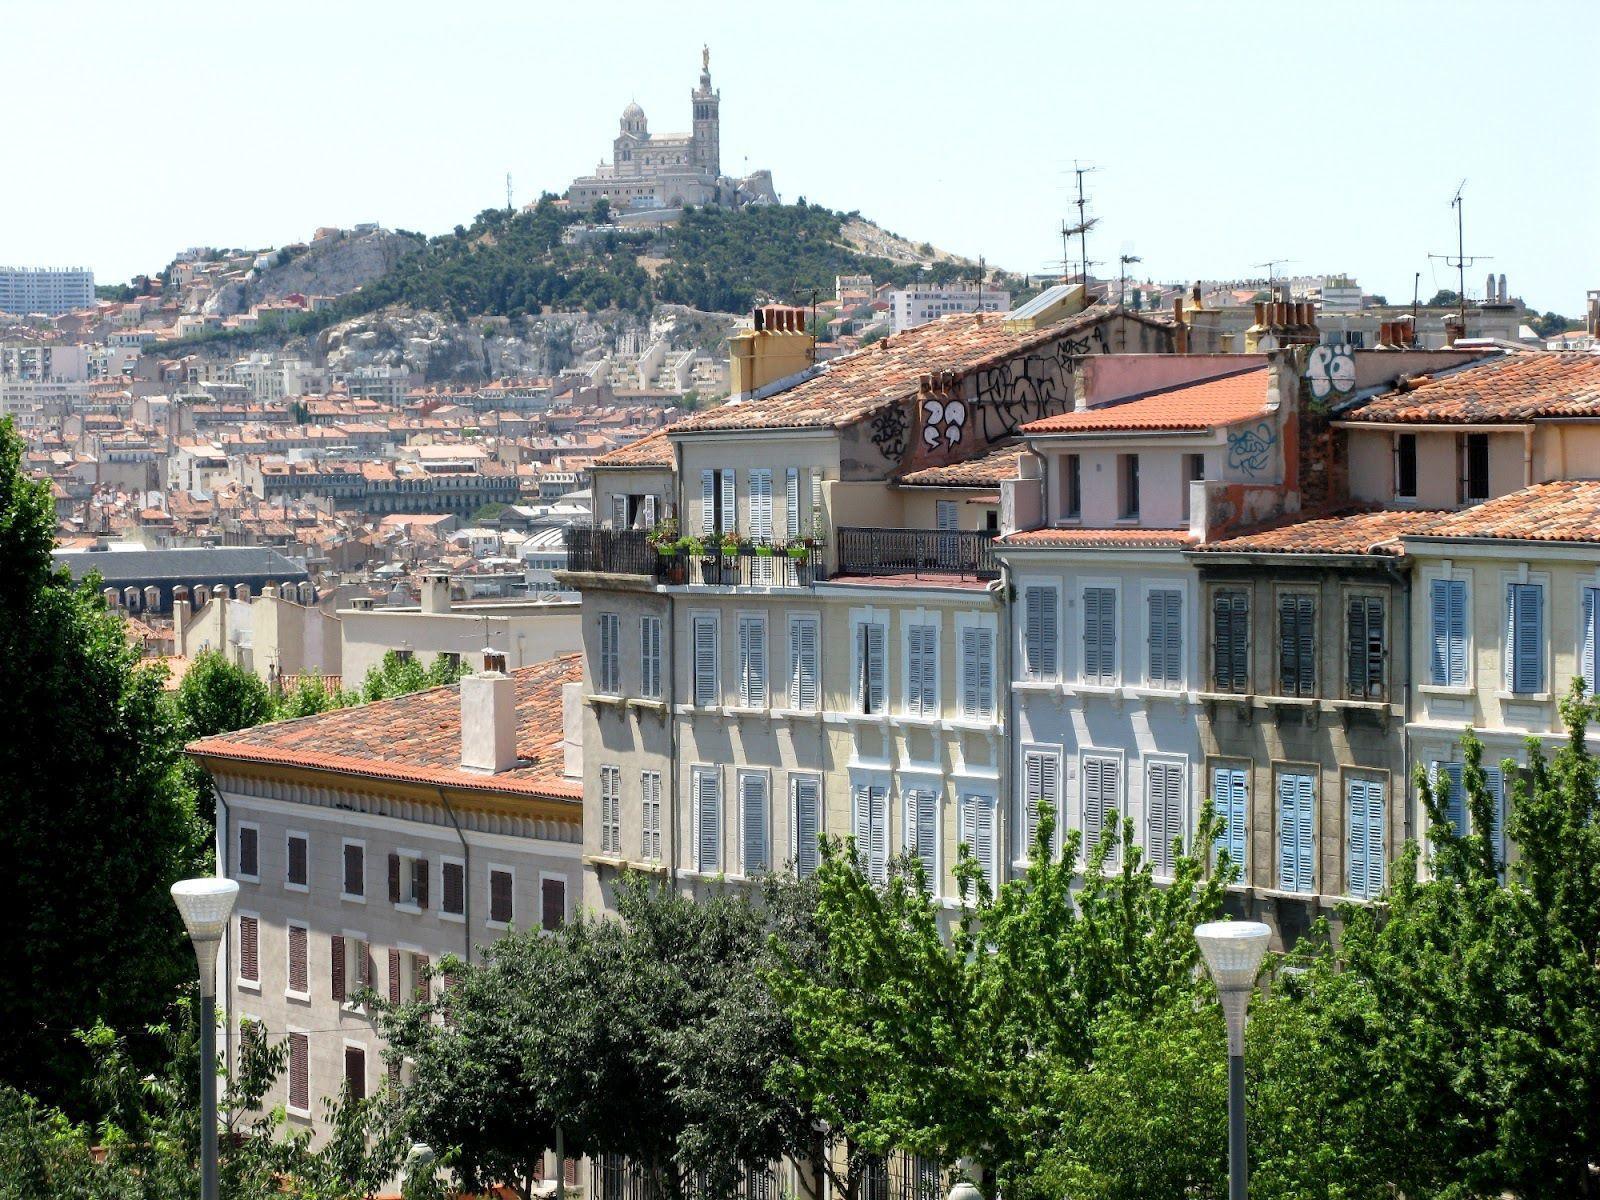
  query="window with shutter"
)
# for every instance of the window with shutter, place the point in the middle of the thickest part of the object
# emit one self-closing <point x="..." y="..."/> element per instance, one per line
<point x="922" y="670"/>
<point x="650" y="824"/>
<point x="1041" y="773"/>
<point x="355" y="870"/>
<point x="1165" y="634"/>
<point x="803" y="664"/>
<point x="871" y="828"/>
<point x="501" y="909"/>
<point x="870" y="666"/>
<point x="1365" y="803"/>
<point x="1295" y="847"/>
<point x="649" y="512"/>
<point x="1447" y="604"/>
<point x="396" y="893"/>
<point x="1230" y="635"/>
<point x="727" y="519"/>
<point x="299" y="975"/>
<point x="1039" y="632"/>
<point x="1364" y="647"/>
<point x="552" y="903"/>
<point x="650" y="657"/>
<point x="978" y="834"/>
<point x="977" y="673"/>
<point x="791" y="502"/>
<point x="1100" y="636"/>
<point x="1297" y="669"/>
<point x="707" y="819"/>
<point x="1587" y="639"/>
<point x="707" y="692"/>
<point x="336" y="965"/>
<point x="1446" y="780"/>
<point x="453" y="880"/>
<point x="1101" y="800"/>
<point x="355" y="1072"/>
<point x="708" y="501"/>
<point x="753" y="662"/>
<point x="1229" y="798"/>
<point x="807" y="797"/>
<point x="1524" y="637"/>
<point x="753" y="832"/>
<point x="922" y="832"/>
<point x="249" y="949"/>
<point x="610" y="666"/>
<point x="946" y="516"/>
<point x="249" y="852"/>
<point x="1164" y="802"/>
<point x="396" y="982"/>
<point x="419" y="976"/>
<point x="419" y="882"/>
<point x="610" y="806"/>
<point x="297" y="868"/>
<point x="760" y="484"/>
<point x="299" y="1074"/>
<point x="619" y="512"/>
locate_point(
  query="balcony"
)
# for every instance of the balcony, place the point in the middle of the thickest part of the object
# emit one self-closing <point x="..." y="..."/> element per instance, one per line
<point x="917" y="552"/>
<point x="630" y="552"/>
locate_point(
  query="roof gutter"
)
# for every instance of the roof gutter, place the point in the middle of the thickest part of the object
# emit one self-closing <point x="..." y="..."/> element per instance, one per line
<point x="1524" y="427"/>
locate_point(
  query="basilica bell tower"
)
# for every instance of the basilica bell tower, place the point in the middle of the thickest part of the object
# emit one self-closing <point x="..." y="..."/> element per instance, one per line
<point x="707" y="152"/>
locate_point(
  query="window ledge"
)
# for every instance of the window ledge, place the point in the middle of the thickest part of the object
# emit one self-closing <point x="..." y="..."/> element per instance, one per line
<point x="1441" y="689"/>
<point x="1097" y="689"/>
<point x="246" y="878"/>
<point x="407" y="906"/>
<point x="798" y="714"/>
<point x="1147" y="691"/>
<point x="971" y="725"/>
<point x="1042" y="687"/>
<point x="352" y="898"/>
<point x="706" y="710"/>
<point x="252" y="986"/>
<point x="655" y="706"/>
<point x="455" y="918"/>
<point x="1282" y="894"/>
<point x="502" y="925"/>
<point x="686" y="873"/>
<point x="746" y="710"/>
<point x="297" y="997"/>
<point x="296" y="887"/>
<point x="918" y="720"/>
<point x="615" y="861"/>
<point x="1523" y="697"/>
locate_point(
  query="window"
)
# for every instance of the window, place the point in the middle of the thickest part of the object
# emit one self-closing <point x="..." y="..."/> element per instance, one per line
<point x="871" y="829"/>
<point x="355" y="1072"/>
<point x="946" y="516"/>
<point x="296" y="867"/>
<point x="922" y="832"/>
<point x="754" y="836"/>
<point x="1474" y="453"/>
<point x="249" y="950"/>
<point x="1194" y="470"/>
<point x="1164" y="624"/>
<point x="619" y="512"/>
<point x="1364" y="647"/>
<point x="1587" y="638"/>
<point x="707" y="693"/>
<point x="1100" y="636"/>
<point x="1039" y="633"/>
<point x="1163" y="800"/>
<point x="299" y="1075"/>
<point x="1297" y="645"/>
<point x="1230" y="640"/>
<point x="453" y="886"/>
<point x="408" y="879"/>
<point x="806" y="796"/>
<point x="922" y="670"/>
<point x="791" y="502"/>
<point x="1364" y="802"/>
<point x="249" y="861"/>
<point x="1405" y="466"/>
<point x="707" y="784"/>
<point x="1128" y="487"/>
<point x="1447" y="603"/>
<point x="349" y="965"/>
<point x="870" y="669"/>
<point x="650" y="816"/>
<point x="1071" y="487"/>
<point x="717" y="511"/>
<point x="610" y="802"/>
<point x="610" y="680"/>
<point x="753" y="661"/>
<point x="760" y="484"/>
<point x="552" y="902"/>
<point x="1230" y="799"/>
<point x="1296" y="848"/>
<point x="299" y="972"/>
<point x="1524" y="654"/>
<point x="803" y="663"/>
<point x="978" y="833"/>
<point x="650" y="657"/>
<point x="501" y="909"/>
<point x="355" y="870"/>
<point x="977" y="673"/>
<point x="1041" y="772"/>
<point x="1101" y="795"/>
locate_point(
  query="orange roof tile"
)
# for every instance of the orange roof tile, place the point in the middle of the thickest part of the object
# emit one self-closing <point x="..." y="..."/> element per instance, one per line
<point x="1098" y="539"/>
<point x="1566" y="510"/>
<point x="417" y="738"/>
<point x="987" y="471"/>
<point x="1516" y="387"/>
<point x="1346" y="533"/>
<point x="1189" y="407"/>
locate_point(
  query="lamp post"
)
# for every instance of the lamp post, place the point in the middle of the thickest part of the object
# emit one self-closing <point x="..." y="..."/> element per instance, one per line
<point x="206" y="905"/>
<point x="1233" y="951"/>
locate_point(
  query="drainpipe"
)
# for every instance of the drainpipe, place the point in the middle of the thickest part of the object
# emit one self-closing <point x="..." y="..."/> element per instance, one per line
<point x="1403" y="580"/>
<point x="1527" y="456"/>
<point x="466" y="877"/>
<point x="672" y="737"/>
<point x="1008" y="736"/>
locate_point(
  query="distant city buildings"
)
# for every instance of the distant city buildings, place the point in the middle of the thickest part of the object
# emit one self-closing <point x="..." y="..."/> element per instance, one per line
<point x="910" y="307"/>
<point x="47" y="290"/>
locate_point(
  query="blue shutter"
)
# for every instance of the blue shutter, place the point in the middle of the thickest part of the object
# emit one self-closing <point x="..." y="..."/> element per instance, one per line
<point x="1525" y="637"/>
<point x="1166" y="638"/>
<point x="1229" y="800"/>
<point x="1287" y="841"/>
<point x="1586" y="653"/>
<point x="1448" y="610"/>
<point x="807" y="825"/>
<point x="1448" y="774"/>
<point x="1305" y="825"/>
<point x="1099" y="635"/>
<point x="1360" y="836"/>
<point x="1494" y="779"/>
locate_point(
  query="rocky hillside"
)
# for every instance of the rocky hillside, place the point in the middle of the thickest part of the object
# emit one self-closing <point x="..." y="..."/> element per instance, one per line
<point x="343" y="264"/>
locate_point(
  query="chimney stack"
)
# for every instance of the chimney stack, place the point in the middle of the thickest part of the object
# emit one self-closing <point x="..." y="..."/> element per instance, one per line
<point x="489" y="717"/>
<point x="436" y="592"/>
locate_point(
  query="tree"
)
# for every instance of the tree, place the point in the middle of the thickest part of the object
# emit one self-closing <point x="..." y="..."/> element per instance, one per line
<point x="215" y="696"/>
<point x="1444" y="298"/>
<point x="97" y="824"/>
<point x="399" y="675"/>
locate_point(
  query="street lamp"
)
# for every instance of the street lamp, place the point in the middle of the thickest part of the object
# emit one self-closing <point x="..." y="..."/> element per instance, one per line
<point x="1233" y="952"/>
<point x="206" y="905"/>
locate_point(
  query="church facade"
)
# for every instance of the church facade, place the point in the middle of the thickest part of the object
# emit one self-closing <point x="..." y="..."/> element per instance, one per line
<point x="672" y="170"/>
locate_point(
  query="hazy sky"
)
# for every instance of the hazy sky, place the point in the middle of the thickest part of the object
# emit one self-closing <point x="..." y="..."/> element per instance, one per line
<point x="1332" y="135"/>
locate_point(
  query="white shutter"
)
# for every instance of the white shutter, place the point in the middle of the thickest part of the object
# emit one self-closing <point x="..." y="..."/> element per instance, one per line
<point x="1586" y="651"/>
<point x="730" y="512"/>
<point x="650" y="814"/>
<point x="753" y="819"/>
<point x="708" y="819"/>
<point x="807" y="825"/>
<point x="705" y="662"/>
<point x="1099" y="636"/>
<point x="760" y="483"/>
<point x="708" y="501"/>
<point x="791" y="502"/>
<point x="870" y="666"/>
<point x="922" y="643"/>
<point x="1164" y="795"/>
<point x="922" y="832"/>
<point x="983" y="844"/>
<point x="752" y="662"/>
<point x="803" y="663"/>
<point x="977" y="673"/>
<point x="650" y="655"/>
<point x="650" y="512"/>
<point x="947" y="516"/>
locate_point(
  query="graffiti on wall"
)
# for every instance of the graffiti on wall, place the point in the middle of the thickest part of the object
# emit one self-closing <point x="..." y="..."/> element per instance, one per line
<point x="1250" y="450"/>
<point x="943" y="422"/>
<point x="1010" y="394"/>
<point x="889" y="432"/>
<point x="1331" y="370"/>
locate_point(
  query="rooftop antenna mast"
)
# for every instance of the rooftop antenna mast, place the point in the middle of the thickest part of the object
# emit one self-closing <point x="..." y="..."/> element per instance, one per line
<point x="1122" y="280"/>
<point x="1272" y="265"/>
<point x="1081" y="229"/>
<point x="1462" y="260"/>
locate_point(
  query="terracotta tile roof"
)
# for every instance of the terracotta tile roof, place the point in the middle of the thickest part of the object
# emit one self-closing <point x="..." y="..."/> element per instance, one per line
<point x="986" y="472"/>
<point x="854" y="386"/>
<point x="652" y="451"/>
<point x="1517" y="387"/>
<point x="417" y="738"/>
<point x="1188" y="407"/>
<point x="1567" y="510"/>
<point x="1092" y="539"/>
<point x="1375" y="533"/>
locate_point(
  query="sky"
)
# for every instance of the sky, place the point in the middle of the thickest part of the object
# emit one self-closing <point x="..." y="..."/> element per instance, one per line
<point x="1223" y="135"/>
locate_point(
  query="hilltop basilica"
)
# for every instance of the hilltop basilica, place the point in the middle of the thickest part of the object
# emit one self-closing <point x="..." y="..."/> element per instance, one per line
<point x="672" y="170"/>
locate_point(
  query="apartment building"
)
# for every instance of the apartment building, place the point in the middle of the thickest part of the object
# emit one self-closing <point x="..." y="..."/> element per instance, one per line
<point x="839" y="670"/>
<point x="48" y="290"/>
<point x="369" y="842"/>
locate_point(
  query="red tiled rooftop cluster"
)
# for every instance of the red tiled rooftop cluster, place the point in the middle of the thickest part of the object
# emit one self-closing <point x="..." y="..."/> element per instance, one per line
<point x="1187" y="407"/>
<point x="1566" y="510"/>
<point x="1346" y="533"/>
<point x="1517" y="387"/>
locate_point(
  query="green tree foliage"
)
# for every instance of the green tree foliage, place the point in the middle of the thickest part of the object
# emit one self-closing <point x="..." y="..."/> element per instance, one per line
<point x="1444" y="298"/>
<point x="650" y="1036"/>
<point x="1552" y="323"/>
<point x="97" y="822"/>
<point x="399" y="675"/>
<point x="215" y="696"/>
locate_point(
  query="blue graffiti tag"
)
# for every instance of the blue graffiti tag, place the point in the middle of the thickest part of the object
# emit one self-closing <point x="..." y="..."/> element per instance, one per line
<point x="1250" y="449"/>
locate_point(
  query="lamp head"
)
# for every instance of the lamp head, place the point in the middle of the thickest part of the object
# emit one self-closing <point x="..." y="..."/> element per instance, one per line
<point x="1233" y="951"/>
<point x="205" y="905"/>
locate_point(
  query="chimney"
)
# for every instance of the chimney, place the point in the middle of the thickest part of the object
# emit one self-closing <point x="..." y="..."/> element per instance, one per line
<point x="489" y="717"/>
<point x="1180" y="341"/>
<point x="1505" y="296"/>
<point x="777" y="347"/>
<point x="180" y="618"/>
<point x="1453" y="328"/>
<point x="436" y="592"/>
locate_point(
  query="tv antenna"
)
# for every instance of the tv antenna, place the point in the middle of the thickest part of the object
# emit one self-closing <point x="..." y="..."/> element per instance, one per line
<point x="1081" y="229"/>
<point x="1122" y="281"/>
<point x="1272" y="265"/>
<point x="1462" y="259"/>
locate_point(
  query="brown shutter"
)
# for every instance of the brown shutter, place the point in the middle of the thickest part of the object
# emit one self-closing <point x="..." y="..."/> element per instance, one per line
<point x="394" y="977"/>
<point x="355" y="871"/>
<point x="336" y="966"/>
<point x="297" y="958"/>
<point x="297" y="861"/>
<point x="419" y="976"/>
<point x="355" y="1072"/>
<point x="249" y="850"/>
<point x="453" y="876"/>
<point x="249" y="950"/>
<point x="553" y="903"/>
<point x="420" y="881"/>
<point x="299" y="1072"/>
<point x="394" y="1072"/>
<point x="394" y="879"/>
<point x="363" y="964"/>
